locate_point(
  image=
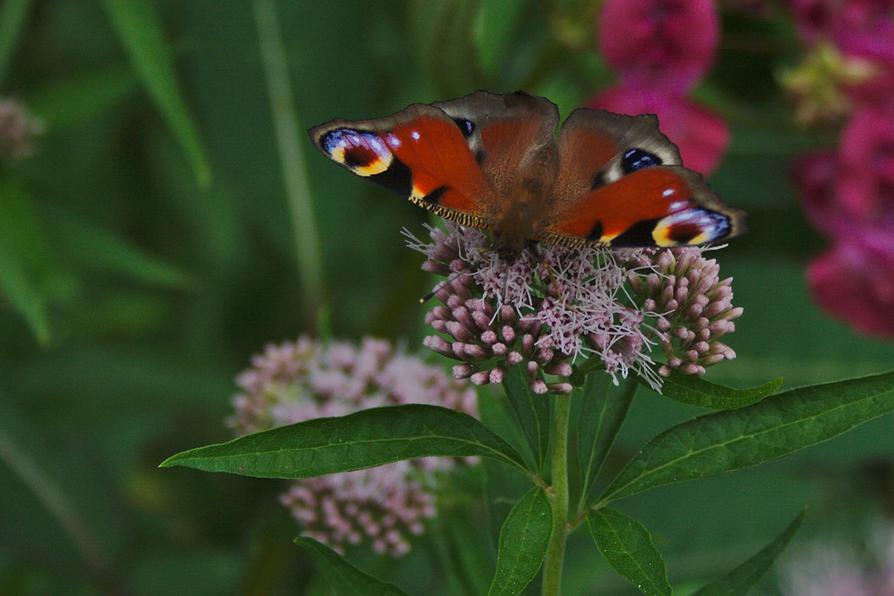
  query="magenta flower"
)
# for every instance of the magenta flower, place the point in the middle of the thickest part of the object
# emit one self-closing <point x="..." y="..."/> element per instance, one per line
<point x="306" y="379"/>
<point x="863" y="32"/>
<point x="701" y="135"/>
<point x="552" y="307"/>
<point x="854" y="280"/>
<point x="866" y="180"/>
<point x="660" y="49"/>
<point x="663" y="44"/>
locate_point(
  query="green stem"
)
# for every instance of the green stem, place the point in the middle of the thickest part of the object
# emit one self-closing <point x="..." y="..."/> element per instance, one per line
<point x="291" y="156"/>
<point x="558" y="495"/>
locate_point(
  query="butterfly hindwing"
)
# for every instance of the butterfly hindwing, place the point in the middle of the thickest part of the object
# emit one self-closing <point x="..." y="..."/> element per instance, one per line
<point x="655" y="206"/>
<point x="420" y="153"/>
<point x="505" y="133"/>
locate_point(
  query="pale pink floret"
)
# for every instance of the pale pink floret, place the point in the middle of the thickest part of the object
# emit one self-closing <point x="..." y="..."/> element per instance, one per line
<point x="305" y="379"/>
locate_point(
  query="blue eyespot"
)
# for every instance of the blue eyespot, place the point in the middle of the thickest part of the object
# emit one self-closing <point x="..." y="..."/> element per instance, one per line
<point x="467" y="127"/>
<point x="637" y="159"/>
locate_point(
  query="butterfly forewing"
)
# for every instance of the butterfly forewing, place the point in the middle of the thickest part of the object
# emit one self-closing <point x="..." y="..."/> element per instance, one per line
<point x="492" y="161"/>
<point x="420" y="153"/>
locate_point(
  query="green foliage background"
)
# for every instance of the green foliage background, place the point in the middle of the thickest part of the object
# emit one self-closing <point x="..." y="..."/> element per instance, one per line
<point x="150" y="251"/>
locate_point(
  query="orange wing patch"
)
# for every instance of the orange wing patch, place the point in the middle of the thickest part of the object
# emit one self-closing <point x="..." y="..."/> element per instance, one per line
<point x="651" y="207"/>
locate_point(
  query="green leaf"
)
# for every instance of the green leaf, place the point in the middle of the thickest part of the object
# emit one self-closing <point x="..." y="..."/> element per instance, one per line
<point x="735" y="439"/>
<point x="13" y="16"/>
<point x="531" y="412"/>
<point x="627" y="545"/>
<point x="343" y="577"/>
<point x="91" y="246"/>
<point x="23" y="259"/>
<point x="78" y="99"/>
<point x="495" y="24"/>
<point x="361" y="440"/>
<point x="523" y="540"/>
<point x="690" y="389"/>
<point x="602" y="412"/>
<point x="139" y="28"/>
<point x="742" y="578"/>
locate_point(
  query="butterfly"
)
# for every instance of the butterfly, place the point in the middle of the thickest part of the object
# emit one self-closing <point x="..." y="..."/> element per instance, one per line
<point x="494" y="161"/>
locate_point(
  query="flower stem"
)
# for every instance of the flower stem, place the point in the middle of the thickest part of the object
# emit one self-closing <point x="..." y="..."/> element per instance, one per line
<point x="558" y="495"/>
<point x="297" y="185"/>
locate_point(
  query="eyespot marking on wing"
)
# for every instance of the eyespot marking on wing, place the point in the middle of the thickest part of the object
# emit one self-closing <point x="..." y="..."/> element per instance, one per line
<point x="364" y="153"/>
<point x="691" y="227"/>
<point x="637" y="159"/>
<point x="467" y="127"/>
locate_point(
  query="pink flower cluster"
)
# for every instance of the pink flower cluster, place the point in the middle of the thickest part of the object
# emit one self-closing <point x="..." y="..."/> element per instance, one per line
<point x="550" y="305"/>
<point x="848" y="193"/>
<point x="306" y="379"/>
<point x="660" y="49"/>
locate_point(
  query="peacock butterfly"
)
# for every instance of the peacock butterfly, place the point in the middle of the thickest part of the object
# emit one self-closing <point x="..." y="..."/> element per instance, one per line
<point x="493" y="161"/>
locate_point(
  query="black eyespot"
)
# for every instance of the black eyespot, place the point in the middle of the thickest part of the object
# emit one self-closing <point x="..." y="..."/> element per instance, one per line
<point x="637" y="159"/>
<point x="467" y="127"/>
<point x="598" y="180"/>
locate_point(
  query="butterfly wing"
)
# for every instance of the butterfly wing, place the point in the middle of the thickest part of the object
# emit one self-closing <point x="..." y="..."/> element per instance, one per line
<point x="620" y="183"/>
<point x="507" y="134"/>
<point x="419" y="153"/>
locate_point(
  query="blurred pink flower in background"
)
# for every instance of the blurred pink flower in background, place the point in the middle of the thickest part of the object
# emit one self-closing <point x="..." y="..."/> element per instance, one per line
<point x="661" y="48"/>
<point x="854" y="279"/>
<point x="863" y="32"/>
<point x="848" y="194"/>
<point x="295" y="381"/>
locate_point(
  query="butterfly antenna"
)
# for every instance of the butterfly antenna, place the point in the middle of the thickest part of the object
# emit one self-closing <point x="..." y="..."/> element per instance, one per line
<point x="438" y="287"/>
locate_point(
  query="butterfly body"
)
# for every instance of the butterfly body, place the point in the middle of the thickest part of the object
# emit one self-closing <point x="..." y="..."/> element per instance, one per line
<point x="494" y="162"/>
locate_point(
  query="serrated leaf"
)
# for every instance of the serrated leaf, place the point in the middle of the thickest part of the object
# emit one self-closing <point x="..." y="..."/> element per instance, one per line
<point x="91" y="246"/>
<point x="690" y="389"/>
<point x="602" y="412"/>
<point x="735" y="439"/>
<point x="531" y="412"/>
<point x="362" y="440"/>
<point x="524" y="538"/>
<point x="343" y="577"/>
<point x="139" y="29"/>
<point x="742" y="578"/>
<point x="627" y="545"/>
<point x="13" y="16"/>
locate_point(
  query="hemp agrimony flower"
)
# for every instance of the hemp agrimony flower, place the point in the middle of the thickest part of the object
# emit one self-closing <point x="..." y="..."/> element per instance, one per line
<point x="306" y="379"/>
<point x="552" y="306"/>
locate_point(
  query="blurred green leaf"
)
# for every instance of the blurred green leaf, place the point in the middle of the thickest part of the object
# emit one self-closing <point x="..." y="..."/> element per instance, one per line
<point x="531" y="412"/>
<point x="742" y="578"/>
<point x="495" y="24"/>
<point x="139" y="28"/>
<point x="22" y="450"/>
<point x="362" y="440"/>
<point x="627" y="545"/>
<point x="13" y="16"/>
<point x="23" y="258"/>
<point x="690" y="389"/>
<point x="602" y="412"/>
<point x="90" y="246"/>
<point x="734" y="439"/>
<point x="523" y="540"/>
<point x="80" y="98"/>
<point x="343" y="577"/>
